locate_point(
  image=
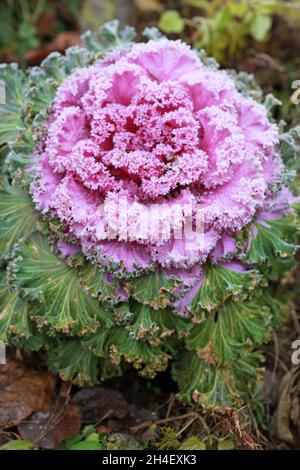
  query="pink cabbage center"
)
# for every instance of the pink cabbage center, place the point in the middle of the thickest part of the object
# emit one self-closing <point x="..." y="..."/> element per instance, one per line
<point x="155" y="126"/>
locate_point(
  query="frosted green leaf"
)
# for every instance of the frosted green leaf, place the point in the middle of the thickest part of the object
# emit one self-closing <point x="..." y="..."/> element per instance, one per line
<point x="237" y="326"/>
<point x="220" y="283"/>
<point x="74" y="363"/>
<point x="202" y="382"/>
<point x="15" y="82"/>
<point x="155" y="326"/>
<point x="107" y="37"/>
<point x="269" y="243"/>
<point x="15" y="325"/>
<point x="59" y="301"/>
<point x="153" y="289"/>
<point x="217" y="385"/>
<point x="14" y="312"/>
<point x="94" y="283"/>
<point x="17" y="216"/>
<point x="118" y="343"/>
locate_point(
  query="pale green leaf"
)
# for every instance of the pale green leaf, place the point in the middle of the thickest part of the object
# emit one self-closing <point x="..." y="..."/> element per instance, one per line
<point x="192" y="443"/>
<point x="226" y="444"/>
<point x="171" y="22"/>
<point x="260" y="26"/>
<point x="239" y="8"/>
<point x="18" y="445"/>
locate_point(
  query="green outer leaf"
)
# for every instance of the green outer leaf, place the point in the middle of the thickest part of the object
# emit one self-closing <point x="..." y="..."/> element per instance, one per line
<point x="13" y="313"/>
<point x="220" y="283"/>
<point x="20" y="154"/>
<point x="288" y="145"/>
<point x="3" y="155"/>
<point x="247" y="321"/>
<point x="94" y="283"/>
<point x="108" y="37"/>
<point x="15" y="325"/>
<point x="156" y="326"/>
<point x="40" y="96"/>
<point x="117" y="343"/>
<point x="214" y="333"/>
<point x="271" y="242"/>
<point x="10" y="113"/>
<point x="74" y="363"/>
<point x="213" y="386"/>
<point x="152" y="289"/>
<point x="59" y="301"/>
<point x="17" y="217"/>
<point x="237" y="326"/>
<point x="44" y="80"/>
<point x="202" y="382"/>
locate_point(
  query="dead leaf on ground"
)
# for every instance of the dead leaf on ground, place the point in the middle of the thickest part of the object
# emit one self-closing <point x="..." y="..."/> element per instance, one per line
<point x="59" y="44"/>
<point x="149" y="5"/>
<point x="23" y="391"/>
<point x="287" y="416"/>
<point x="98" y="403"/>
<point x="136" y="415"/>
<point x="46" y="23"/>
<point x="56" y="423"/>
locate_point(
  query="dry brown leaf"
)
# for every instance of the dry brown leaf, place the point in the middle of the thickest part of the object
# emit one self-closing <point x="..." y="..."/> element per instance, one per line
<point x="46" y="24"/>
<point x="149" y="5"/>
<point x="287" y="416"/>
<point x="23" y="391"/>
<point x="59" y="44"/>
<point x="54" y="424"/>
<point x="97" y="403"/>
<point x="136" y="415"/>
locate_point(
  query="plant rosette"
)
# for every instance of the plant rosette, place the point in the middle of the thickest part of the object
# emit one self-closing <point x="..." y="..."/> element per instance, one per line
<point x="146" y="217"/>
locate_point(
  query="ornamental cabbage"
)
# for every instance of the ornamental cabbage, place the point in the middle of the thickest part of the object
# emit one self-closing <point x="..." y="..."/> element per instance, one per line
<point x="145" y="212"/>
